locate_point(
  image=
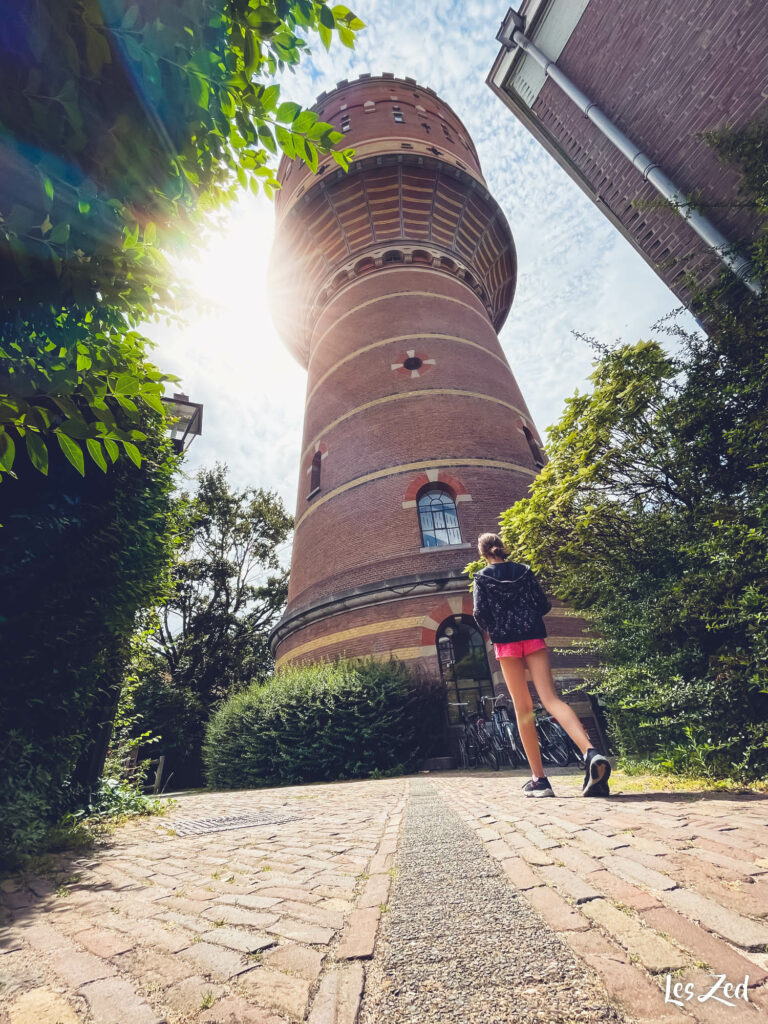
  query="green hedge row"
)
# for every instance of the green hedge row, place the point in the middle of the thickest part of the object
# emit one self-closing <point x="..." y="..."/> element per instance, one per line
<point x="330" y="720"/>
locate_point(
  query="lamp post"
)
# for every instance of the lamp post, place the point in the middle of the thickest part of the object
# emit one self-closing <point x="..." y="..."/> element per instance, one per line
<point x="188" y="418"/>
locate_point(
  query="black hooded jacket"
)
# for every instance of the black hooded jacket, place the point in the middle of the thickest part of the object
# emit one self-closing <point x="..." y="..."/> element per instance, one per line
<point x="509" y="603"/>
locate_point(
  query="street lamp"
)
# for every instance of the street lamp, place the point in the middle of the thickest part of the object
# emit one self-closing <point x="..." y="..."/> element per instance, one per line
<point x="188" y="418"/>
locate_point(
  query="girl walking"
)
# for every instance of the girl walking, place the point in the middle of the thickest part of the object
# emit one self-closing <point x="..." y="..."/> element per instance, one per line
<point x="510" y="605"/>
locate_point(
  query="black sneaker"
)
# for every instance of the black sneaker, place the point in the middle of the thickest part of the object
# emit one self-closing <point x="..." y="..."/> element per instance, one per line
<point x="601" y="789"/>
<point x="538" y="787"/>
<point x="597" y="770"/>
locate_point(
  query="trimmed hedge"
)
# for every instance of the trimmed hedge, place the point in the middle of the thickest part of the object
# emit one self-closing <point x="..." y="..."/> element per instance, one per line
<point x="323" y="722"/>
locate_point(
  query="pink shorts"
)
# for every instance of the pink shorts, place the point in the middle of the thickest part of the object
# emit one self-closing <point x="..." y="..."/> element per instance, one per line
<point x="519" y="649"/>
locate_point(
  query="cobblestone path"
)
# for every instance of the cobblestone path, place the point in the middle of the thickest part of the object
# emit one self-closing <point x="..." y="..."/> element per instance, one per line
<point x="276" y="921"/>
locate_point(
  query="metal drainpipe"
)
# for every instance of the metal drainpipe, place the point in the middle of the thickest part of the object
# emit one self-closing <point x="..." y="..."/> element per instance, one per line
<point x="703" y="227"/>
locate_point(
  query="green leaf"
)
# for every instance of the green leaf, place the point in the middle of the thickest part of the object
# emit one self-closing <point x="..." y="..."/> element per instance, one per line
<point x="347" y="37"/>
<point x="83" y="206"/>
<point x="304" y="121"/>
<point x="287" y="112"/>
<point x="325" y="35"/>
<point x="96" y="453"/>
<point x="326" y="17"/>
<point x="285" y="141"/>
<point x="7" y="450"/>
<point x="73" y="452"/>
<point x="48" y="187"/>
<point x="154" y="403"/>
<point x="133" y="453"/>
<point x="60" y="234"/>
<point x="150" y="232"/>
<point x="112" y="450"/>
<point x="37" y="451"/>
<point x="270" y="97"/>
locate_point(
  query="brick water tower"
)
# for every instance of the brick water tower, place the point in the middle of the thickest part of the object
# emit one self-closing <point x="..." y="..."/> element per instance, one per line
<point x="390" y="285"/>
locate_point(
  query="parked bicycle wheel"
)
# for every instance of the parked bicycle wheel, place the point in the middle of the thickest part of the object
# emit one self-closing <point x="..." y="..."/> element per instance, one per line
<point x="488" y="756"/>
<point x="557" y="751"/>
<point x="510" y="745"/>
<point x="463" y="755"/>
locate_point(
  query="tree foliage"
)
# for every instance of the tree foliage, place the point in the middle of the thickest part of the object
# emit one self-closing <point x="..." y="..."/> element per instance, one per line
<point x="210" y="636"/>
<point x="78" y="559"/>
<point x="123" y="125"/>
<point x="651" y="519"/>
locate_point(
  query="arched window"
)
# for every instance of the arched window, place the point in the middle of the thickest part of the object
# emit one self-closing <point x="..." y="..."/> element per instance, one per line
<point x="438" y="519"/>
<point x="369" y="106"/>
<point x="463" y="664"/>
<point x="314" y="479"/>
<point x="536" y="452"/>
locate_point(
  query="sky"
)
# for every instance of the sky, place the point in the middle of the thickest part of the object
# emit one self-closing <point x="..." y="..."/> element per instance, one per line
<point x="575" y="271"/>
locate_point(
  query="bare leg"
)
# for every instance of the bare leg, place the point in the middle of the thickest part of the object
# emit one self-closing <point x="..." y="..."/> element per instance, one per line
<point x="538" y="663"/>
<point x="514" y="676"/>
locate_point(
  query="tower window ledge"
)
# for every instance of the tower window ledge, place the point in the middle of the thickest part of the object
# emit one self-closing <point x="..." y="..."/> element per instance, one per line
<point x="313" y="493"/>
<point x="445" y="547"/>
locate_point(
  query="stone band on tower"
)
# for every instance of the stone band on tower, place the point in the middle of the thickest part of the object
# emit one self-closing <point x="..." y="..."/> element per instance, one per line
<point x="390" y="284"/>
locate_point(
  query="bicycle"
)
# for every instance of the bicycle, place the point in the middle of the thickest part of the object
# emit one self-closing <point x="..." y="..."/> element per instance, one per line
<point x="505" y="733"/>
<point x="553" y="740"/>
<point x="475" y="746"/>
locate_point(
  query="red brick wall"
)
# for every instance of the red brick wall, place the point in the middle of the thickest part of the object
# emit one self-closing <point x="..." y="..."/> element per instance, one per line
<point x="663" y="72"/>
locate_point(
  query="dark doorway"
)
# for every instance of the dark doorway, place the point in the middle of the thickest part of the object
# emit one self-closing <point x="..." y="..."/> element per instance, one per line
<point x="463" y="664"/>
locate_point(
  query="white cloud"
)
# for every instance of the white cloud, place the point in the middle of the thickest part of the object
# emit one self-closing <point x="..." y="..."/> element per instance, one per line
<point x="575" y="271"/>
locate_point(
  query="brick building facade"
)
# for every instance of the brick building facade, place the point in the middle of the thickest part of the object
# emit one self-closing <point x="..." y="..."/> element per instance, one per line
<point x="663" y="72"/>
<point x="391" y="283"/>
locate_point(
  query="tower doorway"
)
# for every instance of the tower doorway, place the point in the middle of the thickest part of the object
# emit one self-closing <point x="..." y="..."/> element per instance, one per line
<point x="463" y="664"/>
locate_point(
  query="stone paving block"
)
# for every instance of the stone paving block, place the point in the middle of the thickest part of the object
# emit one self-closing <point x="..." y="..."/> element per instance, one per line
<point x="295" y="959"/>
<point x="289" y="893"/>
<point x="535" y="856"/>
<point x="220" y="963"/>
<point x="313" y="913"/>
<point x="634" y="991"/>
<point x="653" y="952"/>
<point x="638" y="873"/>
<point x="595" y="843"/>
<point x="115" y="1001"/>
<point x="41" y="1006"/>
<point x="520" y="874"/>
<point x="555" y="910"/>
<point x="286" y="993"/>
<point x="740" y="930"/>
<point x="103" y="943"/>
<point x="249" y="901"/>
<point x="242" y="939"/>
<point x="238" y="915"/>
<point x="569" y="883"/>
<point x="538" y="838"/>
<point x="77" y="969"/>
<point x="577" y="861"/>
<point x="359" y="938"/>
<point x="151" y="934"/>
<point x="302" y="931"/>
<point x="624" y="892"/>
<point x="338" y="998"/>
<point x="187" y="996"/>
<point x="187" y="921"/>
<point x="43" y="937"/>
<point x="729" y="856"/>
<point x="704" y="945"/>
<point x="499" y="849"/>
<point x="375" y="893"/>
